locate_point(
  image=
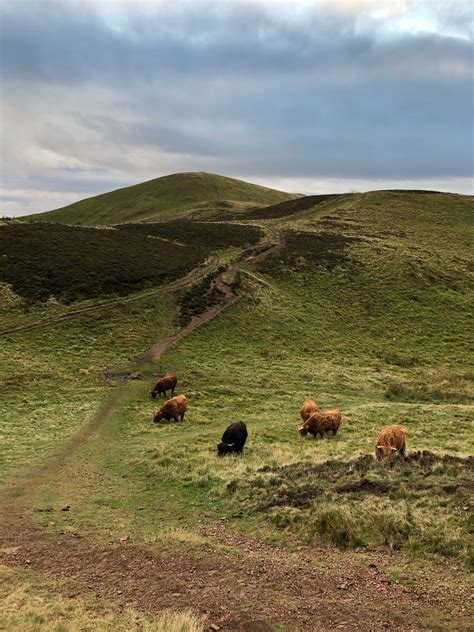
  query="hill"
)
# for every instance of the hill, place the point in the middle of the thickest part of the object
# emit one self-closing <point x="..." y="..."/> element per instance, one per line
<point x="362" y="302"/>
<point x="164" y="198"/>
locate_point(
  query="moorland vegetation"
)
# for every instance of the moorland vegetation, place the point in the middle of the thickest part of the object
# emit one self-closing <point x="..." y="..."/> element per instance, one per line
<point x="363" y="304"/>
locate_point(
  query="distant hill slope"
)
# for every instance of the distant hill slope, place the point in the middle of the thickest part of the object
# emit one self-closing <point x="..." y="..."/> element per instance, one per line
<point x="164" y="198"/>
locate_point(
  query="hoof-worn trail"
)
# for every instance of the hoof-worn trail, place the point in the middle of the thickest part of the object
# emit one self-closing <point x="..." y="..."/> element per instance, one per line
<point x="237" y="583"/>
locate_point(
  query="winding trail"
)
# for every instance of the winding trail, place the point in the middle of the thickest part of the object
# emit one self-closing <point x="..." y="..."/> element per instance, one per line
<point x="20" y="488"/>
<point x="239" y="587"/>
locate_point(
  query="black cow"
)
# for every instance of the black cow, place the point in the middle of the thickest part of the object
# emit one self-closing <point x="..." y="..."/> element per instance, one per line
<point x="233" y="439"/>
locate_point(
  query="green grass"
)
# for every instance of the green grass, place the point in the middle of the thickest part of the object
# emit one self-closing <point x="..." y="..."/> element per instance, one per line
<point x="53" y="379"/>
<point x="340" y="325"/>
<point x="366" y="308"/>
<point x="163" y="198"/>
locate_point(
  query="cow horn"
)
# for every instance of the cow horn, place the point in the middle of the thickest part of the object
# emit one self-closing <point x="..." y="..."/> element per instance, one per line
<point x="231" y="444"/>
<point x="380" y="447"/>
<point x="394" y="449"/>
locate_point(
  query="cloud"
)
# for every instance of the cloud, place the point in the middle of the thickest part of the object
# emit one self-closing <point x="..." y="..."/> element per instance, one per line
<point x="101" y="95"/>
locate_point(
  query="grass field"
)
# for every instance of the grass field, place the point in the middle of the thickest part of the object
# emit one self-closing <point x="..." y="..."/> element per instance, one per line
<point x="366" y="307"/>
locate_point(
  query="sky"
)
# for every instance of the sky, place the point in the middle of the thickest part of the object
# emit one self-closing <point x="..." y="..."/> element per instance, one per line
<point x="304" y="96"/>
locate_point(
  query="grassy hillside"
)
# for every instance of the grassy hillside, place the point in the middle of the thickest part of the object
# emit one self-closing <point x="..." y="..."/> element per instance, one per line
<point x="163" y="198"/>
<point x="366" y="307"/>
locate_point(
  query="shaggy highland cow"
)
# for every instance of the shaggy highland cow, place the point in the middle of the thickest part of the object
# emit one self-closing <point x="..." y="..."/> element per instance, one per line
<point x="391" y="441"/>
<point x="319" y="423"/>
<point x="174" y="408"/>
<point x="166" y="383"/>
<point x="309" y="407"/>
<point x="233" y="439"/>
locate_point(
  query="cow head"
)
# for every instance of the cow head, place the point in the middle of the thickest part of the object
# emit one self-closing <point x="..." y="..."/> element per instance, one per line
<point x="303" y="430"/>
<point x="225" y="448"/>
<point x="156" y="417"/>
<point x="386" y="451"/>
<point x="153" y="394"/>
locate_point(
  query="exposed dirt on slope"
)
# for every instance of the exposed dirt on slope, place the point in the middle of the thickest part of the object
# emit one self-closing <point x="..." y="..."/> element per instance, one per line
<point x="243" y="584"/>
<point x="229" y="297"/>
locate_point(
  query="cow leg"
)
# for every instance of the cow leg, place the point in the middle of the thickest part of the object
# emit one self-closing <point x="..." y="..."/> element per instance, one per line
<point x="172" y="390"/>
<point x="334" y="433"/>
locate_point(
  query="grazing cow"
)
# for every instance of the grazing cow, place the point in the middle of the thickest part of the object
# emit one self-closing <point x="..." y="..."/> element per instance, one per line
<point x="165" y="384"/>
<point x="309" y="407"/>
<point x="174" y="408"/>
<point x="233" y="439"/>
<point x="319" y="423"/>
<point x="391" y="441"/>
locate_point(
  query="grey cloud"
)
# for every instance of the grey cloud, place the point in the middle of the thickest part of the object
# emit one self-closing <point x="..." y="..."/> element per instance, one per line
<point x="63" y="45"/>
<point x="242" y="89"/>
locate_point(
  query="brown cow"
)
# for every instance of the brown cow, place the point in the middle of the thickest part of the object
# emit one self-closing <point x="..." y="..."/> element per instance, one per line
<point x="319" y="423"/>
<point x="309" y="407"/>
<point x="391" y="441"/>
<point x="174" y="408"/>
<point x="164" y="384"/>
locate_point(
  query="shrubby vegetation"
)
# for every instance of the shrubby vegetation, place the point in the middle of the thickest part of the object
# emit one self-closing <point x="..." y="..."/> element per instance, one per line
<point x="70" y="263"/>
<point x="305" y="250"/>
<point x="198" y="298"/>
<point x="211" y="236"/>
<point x="289" y="207"/>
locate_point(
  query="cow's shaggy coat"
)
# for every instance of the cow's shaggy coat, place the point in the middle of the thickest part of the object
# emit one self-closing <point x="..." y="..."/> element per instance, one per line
<point x="321" y="422"/>
<point x="391" y="441"/>
<point x="309" y="407"/>
<point x="174" y="408"/>
<point x="233" y="439"/>
<point x="166" y="383"/>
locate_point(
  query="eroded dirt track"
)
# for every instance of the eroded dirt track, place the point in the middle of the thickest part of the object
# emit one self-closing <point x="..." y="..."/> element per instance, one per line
<point x="237" y="583"/>
<point x="242" y="586"/>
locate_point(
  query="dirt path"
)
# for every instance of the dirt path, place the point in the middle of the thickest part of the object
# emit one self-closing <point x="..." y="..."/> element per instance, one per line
<point x="237" y="583"/>
<point x="25" y="484"/>
<point x="229" y="297"/>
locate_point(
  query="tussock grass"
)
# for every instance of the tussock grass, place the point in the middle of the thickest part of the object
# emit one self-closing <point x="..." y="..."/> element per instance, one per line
<point x="28" y="608"/>
<point x="436" y="387"/>
<point x="363" y="503"/>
